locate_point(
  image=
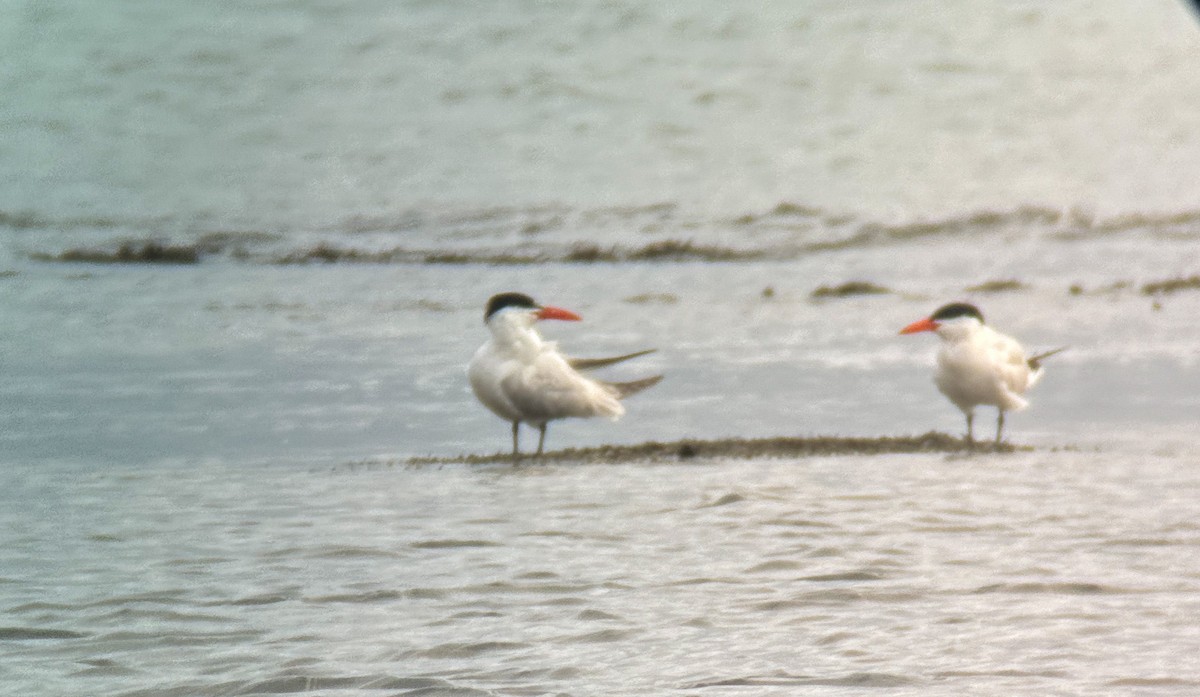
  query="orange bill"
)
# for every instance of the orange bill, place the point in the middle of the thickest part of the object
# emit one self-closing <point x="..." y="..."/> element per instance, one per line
<point x="921" y="325"/>
<point x="551" y="312"/>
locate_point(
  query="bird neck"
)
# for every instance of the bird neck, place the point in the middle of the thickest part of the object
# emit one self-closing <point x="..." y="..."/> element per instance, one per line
<point x="959" y="331"/>
<point x="515" y="335"/>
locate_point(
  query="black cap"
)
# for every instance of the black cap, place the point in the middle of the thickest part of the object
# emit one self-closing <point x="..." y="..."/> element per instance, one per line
<point x="502" y="300"/>
<point x="955" y="310"/>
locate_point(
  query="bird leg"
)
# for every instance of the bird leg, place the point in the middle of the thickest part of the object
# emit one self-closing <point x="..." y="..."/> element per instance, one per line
<point x="541" y="438"/>
<point x="516" y="452"/>
<point x="970" y="429"/>
<point x="999" y="426"/>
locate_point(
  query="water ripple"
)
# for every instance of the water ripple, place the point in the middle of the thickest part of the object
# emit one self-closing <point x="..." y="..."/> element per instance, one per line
<point x="460" y="650"/>
<point x="37" y="634"/>
<point x="1081" y="588"/>
<point x="863" y="680"/>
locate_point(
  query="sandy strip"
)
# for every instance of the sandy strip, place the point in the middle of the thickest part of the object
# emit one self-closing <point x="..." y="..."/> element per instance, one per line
<point x="739" y="448"/>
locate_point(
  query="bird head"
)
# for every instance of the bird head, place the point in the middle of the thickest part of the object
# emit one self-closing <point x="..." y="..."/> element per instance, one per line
<point x="948" y="320"/>
<point x="521" y="309"/>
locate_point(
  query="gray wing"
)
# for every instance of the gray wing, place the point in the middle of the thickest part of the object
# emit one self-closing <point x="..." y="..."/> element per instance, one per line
<point x="550" y="389"/>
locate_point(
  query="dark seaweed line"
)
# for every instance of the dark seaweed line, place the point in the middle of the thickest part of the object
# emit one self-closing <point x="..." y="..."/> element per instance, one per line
<point x="667" y="251"/>
<point x="230" y="244"/>
<point x="582" y="253"/>
<point x="739" y="448"/>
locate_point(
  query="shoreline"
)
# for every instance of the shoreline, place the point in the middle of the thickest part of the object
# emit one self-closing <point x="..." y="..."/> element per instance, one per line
<point x="688" y="449"/>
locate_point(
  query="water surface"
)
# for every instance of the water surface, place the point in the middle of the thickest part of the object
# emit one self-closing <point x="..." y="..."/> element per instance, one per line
<point x="203" y="486"/>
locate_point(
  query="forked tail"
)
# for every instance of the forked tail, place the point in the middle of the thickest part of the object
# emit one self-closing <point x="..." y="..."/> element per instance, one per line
<point x="628" y="389"/>
<point x="590" y="363"/>
<point x="1035" y="362"/>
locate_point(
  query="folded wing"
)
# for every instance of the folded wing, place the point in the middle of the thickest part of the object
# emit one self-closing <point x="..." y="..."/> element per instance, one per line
<point x="549" y="388"/>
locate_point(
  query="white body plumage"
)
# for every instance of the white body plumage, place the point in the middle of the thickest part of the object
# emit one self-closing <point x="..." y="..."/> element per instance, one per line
<point x="977" y="365"/>
<point x="523" y="378"/>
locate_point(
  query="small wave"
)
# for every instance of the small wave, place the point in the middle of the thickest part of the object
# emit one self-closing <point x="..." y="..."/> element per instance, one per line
<point x="374" y="596"/>
<point x="104" y="538"/>
<point x="293" y="684"/>
<point x="603" y="636"/>
<point x="777" y="565"/>
<point x="170" y="597"/>
<point x="861" y="575"/>
<point x="1007" y="673"/>
<point x="458" y="650"/>
<point x="265" y="599"/>
<point x="798" y="523"/>
<point x="597" y="616"/>
<point x="40" y="606"/>
<point x="36" y="634"/>
<point x="1153" y="682"/>
<point x="565" y="591"/>
<point x="1053" y="588"/>
<point x="466" y="615"/>
<point x="127" y="615"/>
<point x="1147" y="542"/>
<point x="537" y="576"/>
<point x="837" y="596"/>
<point x="452" y="544"/>
<point x="863" y="680"/>
<point x="98" y="667"/>
<point x="725" y="500"/>
<point x="703" y="581"/>
<point x="352" y="553"/>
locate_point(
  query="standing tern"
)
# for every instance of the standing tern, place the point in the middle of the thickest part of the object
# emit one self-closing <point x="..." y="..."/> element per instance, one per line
<point x="522" y="378"/>
<point x="979" y="365"/>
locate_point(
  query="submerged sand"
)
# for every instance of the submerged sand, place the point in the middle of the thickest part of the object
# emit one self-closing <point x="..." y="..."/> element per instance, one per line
<point x="739" y="448"/>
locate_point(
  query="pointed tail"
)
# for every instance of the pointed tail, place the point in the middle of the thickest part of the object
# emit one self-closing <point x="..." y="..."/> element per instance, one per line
<point x="590" y="363"/>
<point x="1035" y="362"/>
<point x="628" y="389"/>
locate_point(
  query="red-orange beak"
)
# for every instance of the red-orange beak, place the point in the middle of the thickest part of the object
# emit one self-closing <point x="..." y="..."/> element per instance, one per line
<point x="550" y="312"/>
<point x="921" y="325"/>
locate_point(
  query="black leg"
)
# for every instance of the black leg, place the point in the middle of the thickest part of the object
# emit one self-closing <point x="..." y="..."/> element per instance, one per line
<point x="999" y="426"/>
<point x="541" y="438"/>
<point x="516" y="452"/>
<point x="970" y="428"/>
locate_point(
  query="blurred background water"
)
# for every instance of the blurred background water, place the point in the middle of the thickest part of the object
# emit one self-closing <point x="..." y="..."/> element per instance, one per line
<point x="198" y="458"/>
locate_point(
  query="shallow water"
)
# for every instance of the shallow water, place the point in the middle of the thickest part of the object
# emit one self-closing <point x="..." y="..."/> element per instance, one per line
<point x="203" y="486"/>
<point x="1048" y="573"/>
<point x="205" y="493"/>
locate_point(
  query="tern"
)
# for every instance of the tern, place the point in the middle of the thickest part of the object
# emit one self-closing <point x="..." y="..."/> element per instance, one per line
<point x="523" y="378"/>
<point x="978" y="365"/>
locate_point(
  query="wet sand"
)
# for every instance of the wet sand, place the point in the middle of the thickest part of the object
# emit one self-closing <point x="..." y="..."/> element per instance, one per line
<point x="740" y="449"/>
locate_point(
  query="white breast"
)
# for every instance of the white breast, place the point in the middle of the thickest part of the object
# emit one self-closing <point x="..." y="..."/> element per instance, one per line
<point x="985" y="367"/>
